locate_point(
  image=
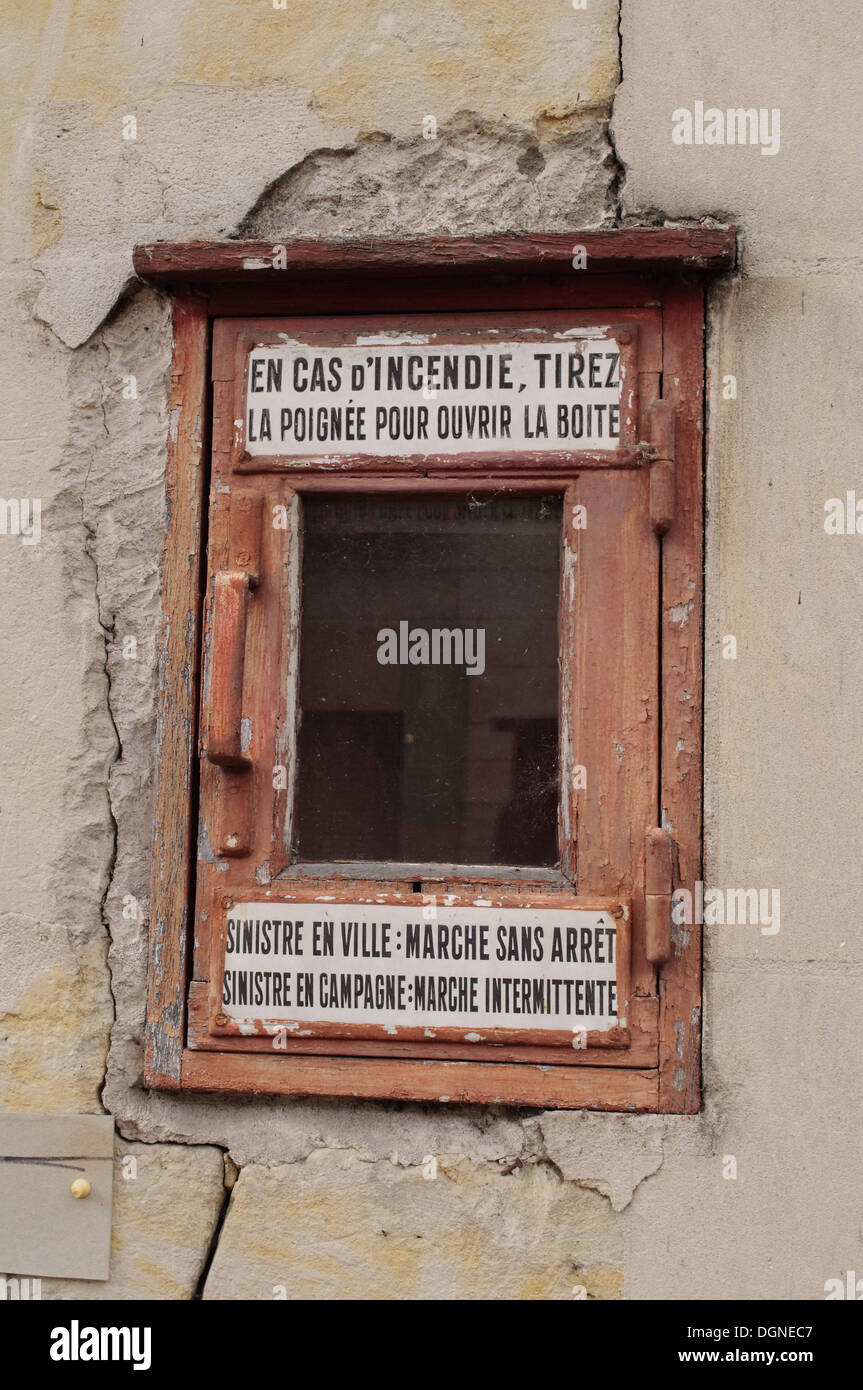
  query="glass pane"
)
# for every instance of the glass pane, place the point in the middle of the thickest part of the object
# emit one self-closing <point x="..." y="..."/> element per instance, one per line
<point x="429" y="680"/>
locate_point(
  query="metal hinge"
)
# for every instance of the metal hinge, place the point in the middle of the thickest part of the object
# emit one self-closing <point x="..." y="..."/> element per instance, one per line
<point x="658" y="886"/>
<point x="661" y="426"/>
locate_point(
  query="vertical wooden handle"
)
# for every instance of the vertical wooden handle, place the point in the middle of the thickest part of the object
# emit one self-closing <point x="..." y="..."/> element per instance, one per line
<point x="223" y="738"/>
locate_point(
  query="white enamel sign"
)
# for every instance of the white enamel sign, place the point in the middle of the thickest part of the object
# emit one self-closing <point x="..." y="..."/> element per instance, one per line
<point x="388" y="395"/>
<point x="471" y="968"/>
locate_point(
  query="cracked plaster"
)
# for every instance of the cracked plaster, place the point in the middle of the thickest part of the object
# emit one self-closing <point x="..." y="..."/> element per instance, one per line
<point x="553" y="170"/>
<point x="515" y="150"/>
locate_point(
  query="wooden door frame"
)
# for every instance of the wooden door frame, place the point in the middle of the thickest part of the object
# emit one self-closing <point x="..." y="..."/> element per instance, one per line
<point x="625" y="269"/>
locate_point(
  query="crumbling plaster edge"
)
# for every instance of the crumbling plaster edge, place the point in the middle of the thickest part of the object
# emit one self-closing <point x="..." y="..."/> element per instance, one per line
<point x="172" y="1118"/>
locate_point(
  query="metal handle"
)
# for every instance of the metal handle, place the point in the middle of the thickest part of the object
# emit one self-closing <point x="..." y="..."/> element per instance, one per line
<point x="223" y="740"/>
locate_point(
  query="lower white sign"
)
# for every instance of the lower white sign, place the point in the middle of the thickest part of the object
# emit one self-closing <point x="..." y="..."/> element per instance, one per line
<point x="432" y="966"/>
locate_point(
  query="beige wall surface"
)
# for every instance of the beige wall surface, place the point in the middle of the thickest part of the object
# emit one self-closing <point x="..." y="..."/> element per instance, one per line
<point x="256" y="120"/>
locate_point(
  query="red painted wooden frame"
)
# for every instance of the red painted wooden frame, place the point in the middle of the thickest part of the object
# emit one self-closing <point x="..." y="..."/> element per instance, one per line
<point x="631" y="269"/>
<point x="245" y="822"/>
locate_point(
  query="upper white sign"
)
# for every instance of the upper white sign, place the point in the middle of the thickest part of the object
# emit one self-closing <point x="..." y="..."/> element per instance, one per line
<point x="390" y="394"/>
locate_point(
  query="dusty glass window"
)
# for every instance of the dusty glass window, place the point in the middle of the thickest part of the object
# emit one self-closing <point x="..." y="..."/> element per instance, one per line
<point x="429" y="679"/>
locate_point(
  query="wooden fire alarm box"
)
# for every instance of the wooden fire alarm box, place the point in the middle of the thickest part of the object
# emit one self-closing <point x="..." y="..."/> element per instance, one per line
<point x="430" y="679"/>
